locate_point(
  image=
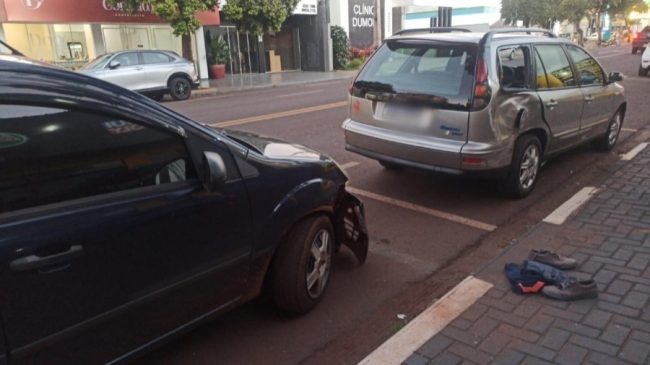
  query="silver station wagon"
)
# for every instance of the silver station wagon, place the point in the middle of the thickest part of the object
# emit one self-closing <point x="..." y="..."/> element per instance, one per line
<point x="490" y="104"/>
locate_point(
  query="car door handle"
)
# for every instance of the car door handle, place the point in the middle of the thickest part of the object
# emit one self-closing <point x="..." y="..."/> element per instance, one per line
<point x="589" y="98"/>
<point x="551" y="103"/>
<point x="32" y="262"/>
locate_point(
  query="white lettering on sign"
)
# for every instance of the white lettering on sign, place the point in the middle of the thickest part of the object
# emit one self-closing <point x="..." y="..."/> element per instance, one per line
<point x="364" y="15"/>
<point x="32" y="4"/>
<point x="143" y="8"/>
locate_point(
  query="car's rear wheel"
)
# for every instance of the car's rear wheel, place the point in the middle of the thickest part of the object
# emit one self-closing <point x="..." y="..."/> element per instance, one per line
<point x="608" y="140"/>
<point x="389" y="165"/>
<point x="526" y="160"/>
<point x="180" y="88"/>
<point x="302" y="265"/>
<point x="643" y="71"/>
<point x="634" y="49"/>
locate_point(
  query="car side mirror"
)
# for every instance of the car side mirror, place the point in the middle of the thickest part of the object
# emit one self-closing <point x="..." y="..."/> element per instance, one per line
<point x="615" y="76"/>
<point x="214" y="172"/>
<point x="114" y="64"/>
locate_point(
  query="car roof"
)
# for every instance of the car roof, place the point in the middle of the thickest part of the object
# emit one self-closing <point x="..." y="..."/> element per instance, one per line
<point x="29" y="82"/>
<point x="476" y="37"/>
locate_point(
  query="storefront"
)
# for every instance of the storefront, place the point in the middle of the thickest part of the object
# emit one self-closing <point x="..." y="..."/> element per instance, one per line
<point x="70" y="33"/>
<point x="301" y="44"/>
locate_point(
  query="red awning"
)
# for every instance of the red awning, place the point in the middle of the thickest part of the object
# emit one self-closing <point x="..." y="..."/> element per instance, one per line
<point x="82" y="11"/>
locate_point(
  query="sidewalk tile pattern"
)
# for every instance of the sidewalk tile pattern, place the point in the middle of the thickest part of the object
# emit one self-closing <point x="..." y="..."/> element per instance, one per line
<point x="610" y="237"/>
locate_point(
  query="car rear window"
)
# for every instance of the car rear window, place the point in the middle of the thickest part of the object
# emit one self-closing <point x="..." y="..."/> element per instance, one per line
<point x="421" y="69"/>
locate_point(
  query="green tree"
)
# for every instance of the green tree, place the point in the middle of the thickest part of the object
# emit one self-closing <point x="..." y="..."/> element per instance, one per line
<point x="180" y="13"/>
<point x="340" y="47"/>
<point x="624" y="8"/>
<point x="259" y="16"/>
<point x="574" y="11"/>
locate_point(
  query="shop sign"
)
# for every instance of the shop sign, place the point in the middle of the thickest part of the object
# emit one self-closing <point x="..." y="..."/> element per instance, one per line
<point x="307" y="7"/>
<point x="84" y="11"/>
<point x="362" y="23"/>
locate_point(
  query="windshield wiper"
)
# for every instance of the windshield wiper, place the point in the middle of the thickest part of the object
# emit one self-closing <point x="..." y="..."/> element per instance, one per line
<point x="375" y="86"/>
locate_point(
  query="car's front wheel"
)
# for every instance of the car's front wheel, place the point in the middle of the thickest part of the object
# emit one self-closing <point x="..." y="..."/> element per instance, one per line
<point x="526" y="160"/>
<point x="302" y="265"/>
<point x="607" y="141"/>
<point x="180" y="88"/>
<point x="634" y="49"/>
<point x="643" y="71"/>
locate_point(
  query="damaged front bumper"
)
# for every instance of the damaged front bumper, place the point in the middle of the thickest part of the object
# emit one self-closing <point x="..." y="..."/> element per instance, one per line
<point x="351" y="225"/>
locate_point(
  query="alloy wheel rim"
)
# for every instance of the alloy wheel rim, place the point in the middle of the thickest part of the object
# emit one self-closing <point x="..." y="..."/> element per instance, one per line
<point x="613" y="130"/>
<point x="529" y="166"/>
<point x="181" y="89"/>
<point x="318" y="265"/>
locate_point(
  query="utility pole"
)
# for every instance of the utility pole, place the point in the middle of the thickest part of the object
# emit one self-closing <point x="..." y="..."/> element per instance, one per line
<point x="377" y="26"/>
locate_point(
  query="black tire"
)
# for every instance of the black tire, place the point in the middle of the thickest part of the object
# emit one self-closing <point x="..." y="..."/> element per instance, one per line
<point x="643" y="71"/>
<point x="293" y="262"/>
<point x="157" y="96"/>
<point x="180" y="88"/>
<point x="608" y="140"/>
<point x="528" y="150"/>
<point x="389" y="165"/>
<point x="634" y="49"/>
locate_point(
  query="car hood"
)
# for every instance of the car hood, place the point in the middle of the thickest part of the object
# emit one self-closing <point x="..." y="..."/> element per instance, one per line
<point x="275" y="148"/>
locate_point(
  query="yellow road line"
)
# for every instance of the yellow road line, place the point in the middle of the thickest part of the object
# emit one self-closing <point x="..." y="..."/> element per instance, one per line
<point x="288" y="113"/>
<point x="420" y="209"/>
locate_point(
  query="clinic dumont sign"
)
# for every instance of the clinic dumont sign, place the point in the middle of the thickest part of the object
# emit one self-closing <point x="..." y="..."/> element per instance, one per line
<point x="362" y="24"/>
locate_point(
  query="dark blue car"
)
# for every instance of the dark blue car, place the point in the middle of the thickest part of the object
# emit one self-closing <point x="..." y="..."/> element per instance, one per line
<point x="123" y="223"/>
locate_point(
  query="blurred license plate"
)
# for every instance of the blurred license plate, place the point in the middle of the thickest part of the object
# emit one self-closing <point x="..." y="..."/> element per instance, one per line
<point x="401" y="112"/>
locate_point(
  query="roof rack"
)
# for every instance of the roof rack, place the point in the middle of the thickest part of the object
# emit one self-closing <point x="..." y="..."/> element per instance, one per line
<point x="14" y="51"/>
<point x="432" y="30"/>
<point x="488" y="36"/>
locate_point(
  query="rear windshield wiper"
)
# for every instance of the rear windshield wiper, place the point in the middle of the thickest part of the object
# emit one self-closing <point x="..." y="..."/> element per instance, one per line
<point x="375" y="86"/>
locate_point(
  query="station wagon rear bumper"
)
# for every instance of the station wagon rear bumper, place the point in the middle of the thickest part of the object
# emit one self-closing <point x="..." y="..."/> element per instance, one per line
<point x="426" y="153"/>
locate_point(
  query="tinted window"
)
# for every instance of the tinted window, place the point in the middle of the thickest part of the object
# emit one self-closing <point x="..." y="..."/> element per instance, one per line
<point x="127" y="59"/>
<point x="421" y="69"/>
<point x="589" y="71"/>
<point x="558" y="69"/>
<point x="155" y="57"/>
<point x="52" y="155"/>
<point x="514" y="63"/>
<point x="540" y="73"/>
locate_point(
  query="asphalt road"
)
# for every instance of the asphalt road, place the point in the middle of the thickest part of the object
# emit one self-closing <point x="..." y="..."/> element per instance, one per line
<point x="427" y="231"/>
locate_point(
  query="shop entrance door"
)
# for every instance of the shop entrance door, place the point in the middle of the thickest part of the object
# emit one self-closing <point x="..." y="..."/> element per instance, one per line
<point x="137" y="38"/>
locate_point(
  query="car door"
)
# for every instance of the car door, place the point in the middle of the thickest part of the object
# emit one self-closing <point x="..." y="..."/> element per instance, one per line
<point x="129" y="74"/>
<point x="598" y="96"/>
<point x="108" y="240"/>
<point x="157" y="66"/>
<point x="560" y="95"/>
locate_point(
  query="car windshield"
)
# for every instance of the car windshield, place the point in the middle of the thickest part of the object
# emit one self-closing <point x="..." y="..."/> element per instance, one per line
<point x="425" y="70"/>
<point x="5" y="50"/>
<point x="98" y="62"/>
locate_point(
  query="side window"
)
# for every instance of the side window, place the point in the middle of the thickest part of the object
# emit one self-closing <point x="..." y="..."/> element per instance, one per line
<point x="558" y="69"/>
<point x="514" y="65"/>
<point x="540" y="73"/>
<point x="155" y="57"/>
<point x="589" y="71"/>
<point x="53" y="155"/>
<point x="127" y="59"/>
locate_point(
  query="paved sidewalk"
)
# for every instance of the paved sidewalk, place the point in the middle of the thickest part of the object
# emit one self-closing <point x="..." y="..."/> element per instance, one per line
<point x="610" y="237"/>
<point x="243" y="82"/>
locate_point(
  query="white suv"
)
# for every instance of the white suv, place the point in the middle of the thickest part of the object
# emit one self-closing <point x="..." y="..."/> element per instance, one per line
<point x="154" y="73"/>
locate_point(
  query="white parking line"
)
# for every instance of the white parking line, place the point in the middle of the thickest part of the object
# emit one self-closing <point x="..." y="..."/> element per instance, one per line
<point x="560" y="215"/>
<point x="420" y="209"/>
<point x="433" y="320"/>
<point x="610" y="55"/>
<point x="629" y="130"/>
<point x="634" y="151"/>
<point x="349" y="165"/>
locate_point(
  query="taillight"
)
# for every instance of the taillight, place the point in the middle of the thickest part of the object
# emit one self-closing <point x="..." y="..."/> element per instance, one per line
<point x="481" y="86"/>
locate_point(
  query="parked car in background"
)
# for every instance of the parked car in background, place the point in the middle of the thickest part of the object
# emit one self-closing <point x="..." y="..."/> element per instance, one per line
<point x="644" y="66"/>
<point x="640" y="40"/>
<point x="153" y="73"/>
<point x="493" y="104"/>
<point x="123" y="223"/>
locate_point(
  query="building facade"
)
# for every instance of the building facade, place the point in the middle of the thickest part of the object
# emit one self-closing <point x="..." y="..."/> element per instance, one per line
<point x="70" y="33"/>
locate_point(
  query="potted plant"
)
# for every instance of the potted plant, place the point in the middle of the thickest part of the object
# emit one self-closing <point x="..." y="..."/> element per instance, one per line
<point x="218" y="55"/>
